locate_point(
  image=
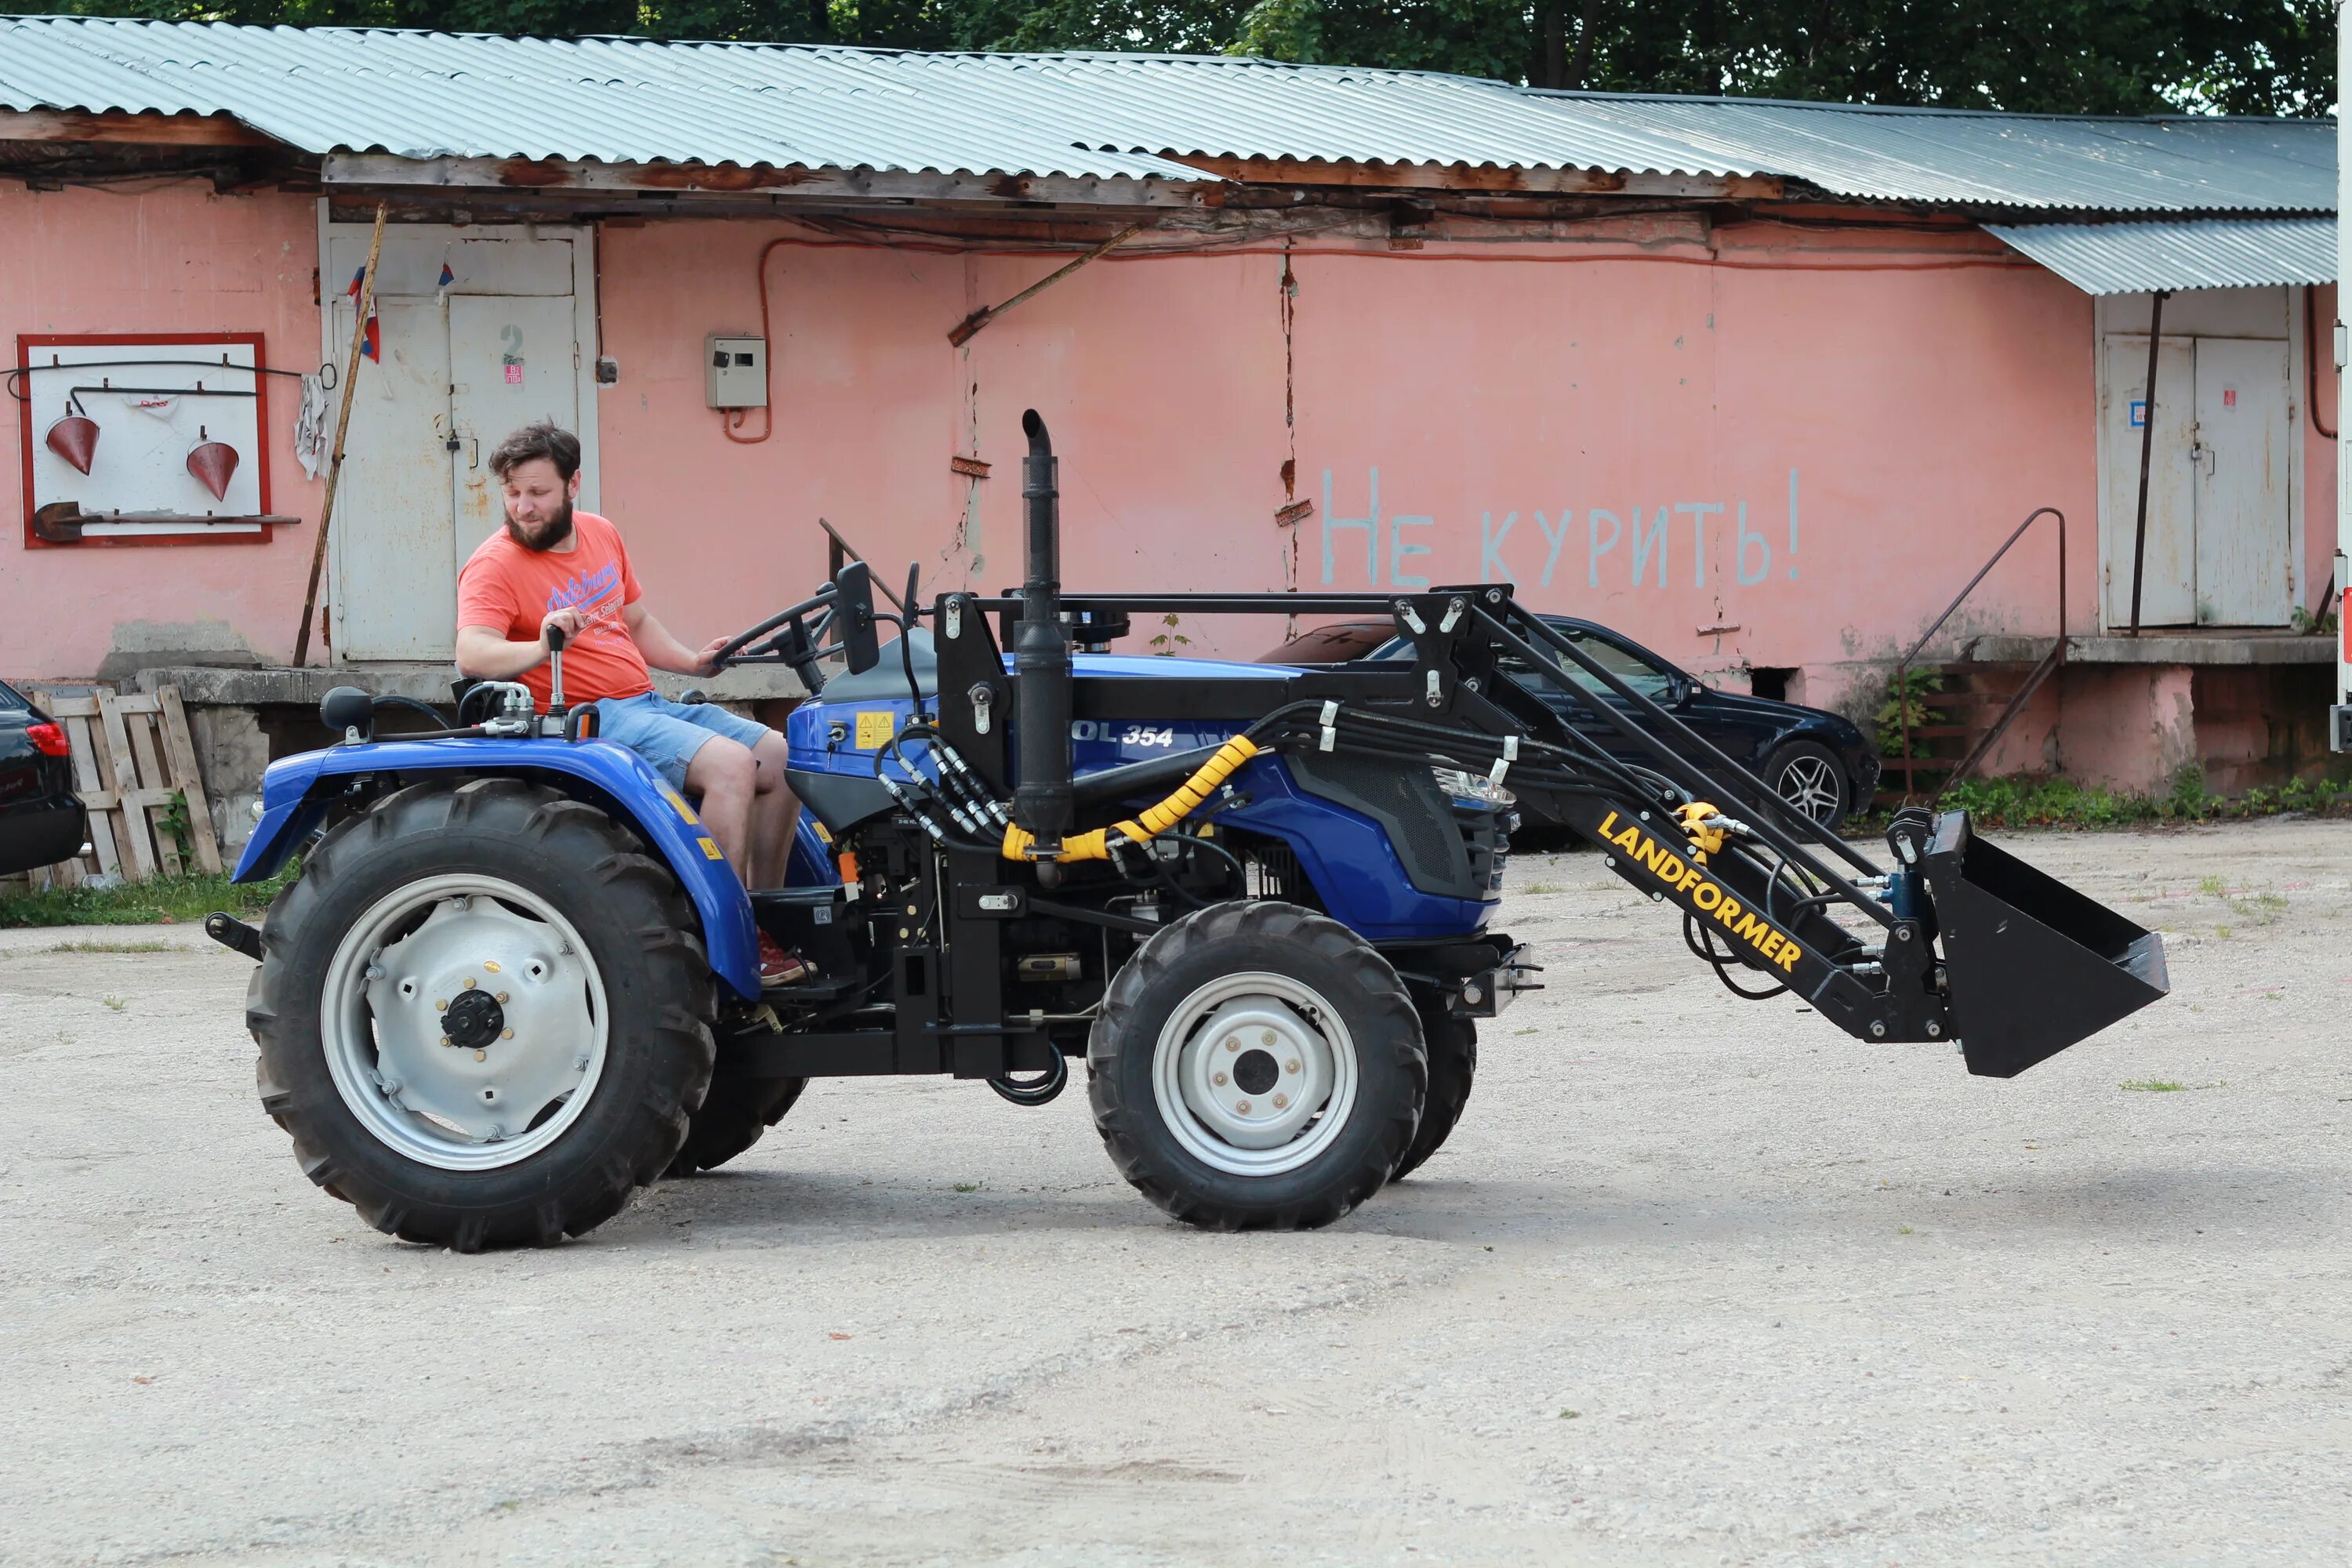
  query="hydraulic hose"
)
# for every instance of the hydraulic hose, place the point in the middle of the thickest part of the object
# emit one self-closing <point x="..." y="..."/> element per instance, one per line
<point x="1151" y="822"/>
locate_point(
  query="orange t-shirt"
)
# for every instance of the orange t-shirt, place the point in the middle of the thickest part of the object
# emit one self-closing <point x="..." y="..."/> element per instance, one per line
<point x="511" y="589"/>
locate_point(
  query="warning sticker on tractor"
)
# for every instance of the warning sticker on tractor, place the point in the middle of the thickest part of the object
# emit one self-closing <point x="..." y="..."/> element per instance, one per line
<point x="678" y="803"/>
<point x="874" y="729"/>
<point x="710" y="850"/>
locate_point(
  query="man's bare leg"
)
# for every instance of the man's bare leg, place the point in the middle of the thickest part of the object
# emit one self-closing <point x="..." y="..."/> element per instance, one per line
<point x="723" y="773"/>
<point x="775" y="812"/>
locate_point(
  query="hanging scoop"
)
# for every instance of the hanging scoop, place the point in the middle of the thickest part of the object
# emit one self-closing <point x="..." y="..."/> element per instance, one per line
<point x="214" y="463"/>
<point x="74" y="438"/>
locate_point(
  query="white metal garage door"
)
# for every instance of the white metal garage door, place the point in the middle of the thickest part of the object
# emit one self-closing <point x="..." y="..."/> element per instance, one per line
<point x="462" y="363"/>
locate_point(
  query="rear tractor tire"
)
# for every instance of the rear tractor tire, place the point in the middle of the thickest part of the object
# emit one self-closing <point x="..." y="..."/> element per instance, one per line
<point x="483" y="1015"/>
<point x="735" y="1114"/>
<point x="1256" y="1066"/>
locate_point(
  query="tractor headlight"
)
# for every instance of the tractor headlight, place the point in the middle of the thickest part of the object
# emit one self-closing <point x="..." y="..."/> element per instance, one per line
<point x="1466" y="788"/>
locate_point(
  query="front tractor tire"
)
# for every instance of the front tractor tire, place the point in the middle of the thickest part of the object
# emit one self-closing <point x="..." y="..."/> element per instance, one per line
<point x="484" y="1017"/>
<point x="1256" y="1066"/>
<point x="1452" y="1064"/>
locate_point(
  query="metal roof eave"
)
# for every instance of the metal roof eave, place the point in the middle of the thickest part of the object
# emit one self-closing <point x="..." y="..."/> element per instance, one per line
<point x="2179" y="254"/>
<point x="589" y="179"/>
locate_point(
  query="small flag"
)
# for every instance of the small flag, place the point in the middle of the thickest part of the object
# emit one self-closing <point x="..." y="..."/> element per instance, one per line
<point x="371" y="343"/>
<point x="447" y="276"/>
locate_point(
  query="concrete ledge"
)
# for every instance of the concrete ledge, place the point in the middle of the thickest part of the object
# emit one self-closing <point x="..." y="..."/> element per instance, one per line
<point x="279" y="685"/>
<point x="2164" y="647"/>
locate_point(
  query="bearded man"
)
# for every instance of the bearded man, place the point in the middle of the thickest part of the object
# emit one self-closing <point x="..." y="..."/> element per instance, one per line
<point x="552" y="566"/>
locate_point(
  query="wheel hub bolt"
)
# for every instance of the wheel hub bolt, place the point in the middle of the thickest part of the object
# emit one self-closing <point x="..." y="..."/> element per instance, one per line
<point x="1233" y="1042"/>
<point x="505" y="1034"/>
<point x="481" y="1055"/>
<point x="1219" y="1080"/>
<point x="1265" y="1038"/>
<point x="1242" y="1106"/>
<point x="1290" y="1066"/>
<point x="469" y="983"/>
<point x="440" y="1006"/>
<point x="1281" y="1101"/>
<point x="503" y="996"/>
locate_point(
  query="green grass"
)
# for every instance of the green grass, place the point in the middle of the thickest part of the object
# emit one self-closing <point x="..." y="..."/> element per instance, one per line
<point x="112" y="947"/>
<point x="2155" y="1085"/>
<point x="164" y="900"/>
<point x="2059" y="802"/>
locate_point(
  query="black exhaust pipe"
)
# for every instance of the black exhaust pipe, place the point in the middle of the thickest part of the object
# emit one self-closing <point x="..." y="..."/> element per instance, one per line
<point x="1041" y="658"/>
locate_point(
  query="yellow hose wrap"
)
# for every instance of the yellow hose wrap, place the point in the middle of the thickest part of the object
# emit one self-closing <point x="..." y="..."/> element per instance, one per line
<point x="1145" y="825"/>
<point x="1704" y="839"/>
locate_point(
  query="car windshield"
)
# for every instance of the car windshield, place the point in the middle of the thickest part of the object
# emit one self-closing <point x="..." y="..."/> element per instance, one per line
<point x="1635" y="672"/>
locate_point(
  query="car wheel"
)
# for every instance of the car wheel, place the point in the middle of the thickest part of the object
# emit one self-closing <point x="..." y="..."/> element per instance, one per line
<point x="1809" y="776"/>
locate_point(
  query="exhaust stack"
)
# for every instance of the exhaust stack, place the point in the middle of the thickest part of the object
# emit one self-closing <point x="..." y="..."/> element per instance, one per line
<point x="1041" y="658"/>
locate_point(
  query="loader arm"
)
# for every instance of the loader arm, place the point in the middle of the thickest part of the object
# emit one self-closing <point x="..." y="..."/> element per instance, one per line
<point x="1953" y="939"/>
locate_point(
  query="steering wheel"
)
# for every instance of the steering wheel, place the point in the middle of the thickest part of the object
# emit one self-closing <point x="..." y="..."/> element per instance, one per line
<point x="846" y="602"/>
<point x="732" y="651"/>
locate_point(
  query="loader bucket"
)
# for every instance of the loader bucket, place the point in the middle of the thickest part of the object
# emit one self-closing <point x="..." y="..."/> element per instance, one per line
<point x="2033" y="966"/>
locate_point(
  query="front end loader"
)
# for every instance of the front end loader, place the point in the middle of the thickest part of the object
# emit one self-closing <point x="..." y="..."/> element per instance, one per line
<point x="516" y="981"/>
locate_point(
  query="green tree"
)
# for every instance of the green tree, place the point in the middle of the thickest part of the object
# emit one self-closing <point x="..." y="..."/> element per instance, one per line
<point x="2108" y="57"/>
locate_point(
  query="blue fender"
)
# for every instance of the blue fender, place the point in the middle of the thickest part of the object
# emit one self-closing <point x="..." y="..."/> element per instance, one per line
<point x="297" y="791"/>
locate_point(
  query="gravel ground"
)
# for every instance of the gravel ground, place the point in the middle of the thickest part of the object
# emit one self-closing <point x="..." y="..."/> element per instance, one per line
<point x="1696" y="1281"/>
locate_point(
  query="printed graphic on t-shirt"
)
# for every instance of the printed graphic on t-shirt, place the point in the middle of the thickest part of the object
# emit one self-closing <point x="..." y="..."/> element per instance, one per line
<point x="597" y="598"/>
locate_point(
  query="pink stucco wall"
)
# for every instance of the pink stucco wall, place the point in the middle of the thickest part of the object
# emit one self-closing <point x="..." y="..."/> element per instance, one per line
<point x="1466" y="411"/>
<point x="176" y="259"/>
<point x="1461" y="415"/>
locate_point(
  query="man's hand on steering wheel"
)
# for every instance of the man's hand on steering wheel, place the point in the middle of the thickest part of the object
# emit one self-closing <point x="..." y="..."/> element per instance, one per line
<point x="706" y="661"/>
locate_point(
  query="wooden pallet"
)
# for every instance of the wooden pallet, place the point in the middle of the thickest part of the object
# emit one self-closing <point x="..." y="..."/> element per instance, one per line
<point x="131" y="757"/>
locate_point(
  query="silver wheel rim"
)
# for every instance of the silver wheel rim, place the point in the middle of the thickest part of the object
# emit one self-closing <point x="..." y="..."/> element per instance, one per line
<point x="1256" y="1073"/>
<point x="522" y="1060"/>
<point x="1810" y="785"/>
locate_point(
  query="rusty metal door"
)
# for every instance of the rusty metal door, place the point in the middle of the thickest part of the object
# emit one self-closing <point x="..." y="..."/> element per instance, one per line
<point x="396" y="591"/>
<point x="2168" y="571"/>
<point x="511" y="362"/>
<point x="2243" y="444"/>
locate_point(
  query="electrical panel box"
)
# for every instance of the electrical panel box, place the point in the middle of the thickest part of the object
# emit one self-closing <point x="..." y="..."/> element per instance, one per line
<point x="735" y="372"/>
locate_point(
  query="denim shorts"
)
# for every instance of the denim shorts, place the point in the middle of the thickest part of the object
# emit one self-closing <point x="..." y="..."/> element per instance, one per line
<point x="667" y="734"/>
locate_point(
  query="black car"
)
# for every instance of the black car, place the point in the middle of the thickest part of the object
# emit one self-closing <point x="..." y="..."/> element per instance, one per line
<point x="1819" y="761"/>
<point x="41" y="819"/>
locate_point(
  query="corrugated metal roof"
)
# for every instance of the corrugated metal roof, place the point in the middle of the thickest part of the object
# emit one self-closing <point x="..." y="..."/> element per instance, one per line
<point x="429" y="95"/>
<point x="1971" y="159"/>
<point x="435" y="95"/>
<point x="2209" y="253"/>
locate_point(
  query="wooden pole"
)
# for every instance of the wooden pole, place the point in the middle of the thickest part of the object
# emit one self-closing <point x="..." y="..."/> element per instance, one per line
<point x="343" y="424"/>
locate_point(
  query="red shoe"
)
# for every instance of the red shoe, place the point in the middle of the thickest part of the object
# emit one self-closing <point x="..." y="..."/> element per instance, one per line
<point x="778" y="967"/>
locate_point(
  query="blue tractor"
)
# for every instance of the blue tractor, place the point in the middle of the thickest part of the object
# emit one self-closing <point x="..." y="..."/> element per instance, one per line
<point x="516" y="981"/>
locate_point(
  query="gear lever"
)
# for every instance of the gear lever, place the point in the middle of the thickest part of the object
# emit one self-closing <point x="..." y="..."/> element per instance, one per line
<point x="555" y="640"/>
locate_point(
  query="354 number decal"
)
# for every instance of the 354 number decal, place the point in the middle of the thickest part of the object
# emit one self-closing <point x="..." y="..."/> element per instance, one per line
<point x="1123" y="734"/>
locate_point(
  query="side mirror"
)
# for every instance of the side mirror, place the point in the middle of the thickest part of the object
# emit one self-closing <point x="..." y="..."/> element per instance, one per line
<point x="853" y="609"/>
<point x="1680" y="691"/>
<point x="346" y="709"/>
